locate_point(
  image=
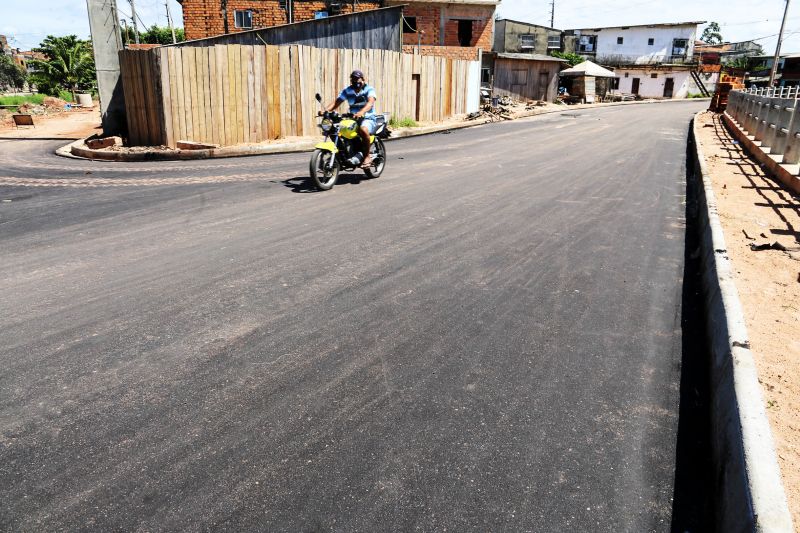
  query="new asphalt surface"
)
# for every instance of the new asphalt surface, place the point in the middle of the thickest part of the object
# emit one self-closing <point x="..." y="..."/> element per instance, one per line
<point x="487" y="337"/>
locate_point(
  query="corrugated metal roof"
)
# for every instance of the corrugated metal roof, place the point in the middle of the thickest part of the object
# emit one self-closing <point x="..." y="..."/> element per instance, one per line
<point x="597" y="28"/>
<point x="531" y="57"/>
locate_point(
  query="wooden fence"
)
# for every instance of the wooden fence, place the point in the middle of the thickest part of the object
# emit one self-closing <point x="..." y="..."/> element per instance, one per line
<point x="231" y="94"/>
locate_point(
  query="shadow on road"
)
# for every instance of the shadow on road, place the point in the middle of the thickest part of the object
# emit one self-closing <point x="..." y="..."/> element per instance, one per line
<point x="692" y="506"/>
<point x="302" y="184"/>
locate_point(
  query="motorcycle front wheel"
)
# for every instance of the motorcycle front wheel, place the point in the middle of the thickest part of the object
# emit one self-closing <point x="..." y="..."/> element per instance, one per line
<point x="378" y="160"/>
<point x="323" y="177"/>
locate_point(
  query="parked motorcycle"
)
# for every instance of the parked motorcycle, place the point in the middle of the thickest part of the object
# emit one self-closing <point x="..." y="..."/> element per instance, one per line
<point x="341" y="149"/>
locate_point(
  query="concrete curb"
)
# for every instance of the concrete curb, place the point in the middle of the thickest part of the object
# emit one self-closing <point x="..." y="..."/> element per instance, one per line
<point x="79" y="150"/>
<point x="750" y="494"/>
<point x="784" y="173"/>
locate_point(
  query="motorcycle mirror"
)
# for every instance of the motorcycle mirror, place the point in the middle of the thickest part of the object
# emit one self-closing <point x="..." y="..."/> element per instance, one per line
<point x="318" y="97"/>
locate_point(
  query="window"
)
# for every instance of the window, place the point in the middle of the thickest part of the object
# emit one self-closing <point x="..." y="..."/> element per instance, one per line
<point x="614" y="85"/>
<point x="465" y="32"/>
<point x="586" y="43"/>
<point x="527" y="42"/>
<point x="409" y="24"/>
<point x="619" y="40"/>
<point x="282" y="4"/>
<point x="654" y="76"/>
<point x="320" y="15"/>
<point x="680" y="47"/>
<point x="553" y="41"/>
<point x="519" y="76"/>
<point x="651" y="41"/>
<point x="627" y="74"/>
<point x="243" y="18"/>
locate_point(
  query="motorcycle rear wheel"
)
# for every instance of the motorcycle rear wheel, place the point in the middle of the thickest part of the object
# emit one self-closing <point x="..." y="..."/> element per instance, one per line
<point x="322" y="177"/>
<point x="379" y="160"/>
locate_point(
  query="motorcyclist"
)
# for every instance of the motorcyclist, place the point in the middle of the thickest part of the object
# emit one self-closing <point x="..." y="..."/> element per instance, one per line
<point x="361" y="99"/>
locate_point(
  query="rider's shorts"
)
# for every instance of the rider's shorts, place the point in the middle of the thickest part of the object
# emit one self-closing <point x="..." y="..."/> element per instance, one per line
<point x="370" y="124"/>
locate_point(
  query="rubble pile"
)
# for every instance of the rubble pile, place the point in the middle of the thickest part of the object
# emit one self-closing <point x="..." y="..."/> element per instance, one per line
<point x="51" y="102"/>
<point x="506" y="109"/>
<point x="32" y="109"/>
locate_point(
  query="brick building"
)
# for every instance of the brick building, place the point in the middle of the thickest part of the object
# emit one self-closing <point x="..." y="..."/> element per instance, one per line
<point x="450" y="28"/>
<point x="207" y="18"/>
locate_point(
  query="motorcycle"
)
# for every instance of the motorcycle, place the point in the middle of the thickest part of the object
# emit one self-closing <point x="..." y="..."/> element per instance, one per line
<point x="341" y="149"/>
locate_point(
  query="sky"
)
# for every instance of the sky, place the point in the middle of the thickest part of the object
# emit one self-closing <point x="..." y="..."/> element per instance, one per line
<point x="739" y="20"/>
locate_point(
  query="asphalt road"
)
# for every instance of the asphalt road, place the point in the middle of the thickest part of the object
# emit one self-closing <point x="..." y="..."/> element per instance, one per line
<point x="485" y="338"/>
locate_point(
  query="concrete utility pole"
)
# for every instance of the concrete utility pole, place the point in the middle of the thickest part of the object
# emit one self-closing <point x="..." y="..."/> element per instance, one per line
<point x="552" y="12"/>
<point x="778" y="48"/>
<point x="133" y="17"/>
<point x="107" y="42"/>
<point x="169" y="21"/>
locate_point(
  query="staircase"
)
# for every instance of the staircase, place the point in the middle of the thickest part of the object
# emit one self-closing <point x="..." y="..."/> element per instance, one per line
<point x="699" y="83"/>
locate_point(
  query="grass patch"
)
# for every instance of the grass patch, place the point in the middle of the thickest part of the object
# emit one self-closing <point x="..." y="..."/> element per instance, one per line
<point x="406" y="122"/>
<point x="694" y="95"/>
<point x="19" y="100"/>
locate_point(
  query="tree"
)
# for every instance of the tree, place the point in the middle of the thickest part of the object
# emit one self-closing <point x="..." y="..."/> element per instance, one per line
<point x="11" y="75"/>
<point x="711" y="34"/>
<point x="573" y="59"/>
<point x="160" y="35"/>
<point x="69" y="64"/>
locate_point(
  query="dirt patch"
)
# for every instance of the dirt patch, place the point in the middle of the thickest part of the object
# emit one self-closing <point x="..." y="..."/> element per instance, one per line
<point x="53" y="122"/>
<point x="761" y="222"/>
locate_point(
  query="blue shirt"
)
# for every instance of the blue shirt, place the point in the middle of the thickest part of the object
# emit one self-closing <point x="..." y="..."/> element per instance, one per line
<point x="357" y="100"/>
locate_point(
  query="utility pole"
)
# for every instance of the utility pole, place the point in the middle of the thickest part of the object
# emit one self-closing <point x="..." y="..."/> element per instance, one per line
<point x="778" y="48"/>
<point x="124" y="35"/>
<point x="104" y="24"/>
<point x="552" y="12"/>
<point x="169" y="21"/>
<point x="133" y="18"/>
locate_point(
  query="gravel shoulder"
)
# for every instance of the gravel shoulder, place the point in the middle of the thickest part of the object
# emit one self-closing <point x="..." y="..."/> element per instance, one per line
<point x="756" y="211"/>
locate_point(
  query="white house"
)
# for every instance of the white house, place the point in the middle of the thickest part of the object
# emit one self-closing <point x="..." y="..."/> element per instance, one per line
<point x="650" y="60"/>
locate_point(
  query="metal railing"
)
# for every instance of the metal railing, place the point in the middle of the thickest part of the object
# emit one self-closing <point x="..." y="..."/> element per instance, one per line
<point x="769" y="115"/>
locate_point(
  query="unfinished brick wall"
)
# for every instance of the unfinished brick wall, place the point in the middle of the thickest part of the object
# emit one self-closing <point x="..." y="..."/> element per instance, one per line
<point x="430" y="16"/>
<point x="203" y="18"/>
<point x="452" y="52"/>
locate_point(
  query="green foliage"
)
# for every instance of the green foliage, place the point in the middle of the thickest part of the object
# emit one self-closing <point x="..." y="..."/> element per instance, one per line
<point x="711" y="34"/>
<point x="406" y="122"/>
<point x="11" y="75"/>
<point x="740" y="63"/>
<point x="573" y="59"/>
<point x="69" y="65"/>
<point x="695" y="95"/>
<point x="19" y="100"/>
<point x="153" y="35"/>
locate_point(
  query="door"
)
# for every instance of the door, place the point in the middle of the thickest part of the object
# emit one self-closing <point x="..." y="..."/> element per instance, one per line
<point x="635" y="86"/>
<point x="544" y="81"/>
<point x="669" y="87"/>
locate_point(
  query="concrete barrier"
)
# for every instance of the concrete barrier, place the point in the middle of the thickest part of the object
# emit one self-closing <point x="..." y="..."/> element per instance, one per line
<point x="749" y="491"/>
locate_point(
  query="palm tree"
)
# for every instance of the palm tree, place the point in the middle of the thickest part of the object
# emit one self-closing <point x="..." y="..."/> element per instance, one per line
<point x="69" y="63"/>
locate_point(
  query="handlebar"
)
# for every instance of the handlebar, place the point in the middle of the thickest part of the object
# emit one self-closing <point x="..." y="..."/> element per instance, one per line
<point x="336" y="117"/>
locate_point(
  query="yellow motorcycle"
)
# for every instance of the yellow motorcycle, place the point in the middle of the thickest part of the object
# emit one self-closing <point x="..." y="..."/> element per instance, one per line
<point x="341" y="149"/>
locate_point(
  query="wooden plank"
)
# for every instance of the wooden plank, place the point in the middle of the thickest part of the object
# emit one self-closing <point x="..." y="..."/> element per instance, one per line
<point x="138" y="98"/>
<point x="254" y="99"/>
<point x="239" y="96"/>
<point x="218" y="68"/>
<point x="173" y="91"/>
<point x="273" y="91"/>
<point x="186" y="60"/>
<point x="285" y="100"/>
<point x="201" y="128"/>
<point x="213" y="100"/>
<point x="128" y="90"/>
<point x="166" y="97"/>
<point x="230" y="95"/>
<point x="259" y="61"/>
<point x="207" y="93"/>
<point x="243" y="95"/>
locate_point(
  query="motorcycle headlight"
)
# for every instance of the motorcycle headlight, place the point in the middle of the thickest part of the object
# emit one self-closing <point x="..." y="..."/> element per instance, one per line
<point x="326" y="125"/>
